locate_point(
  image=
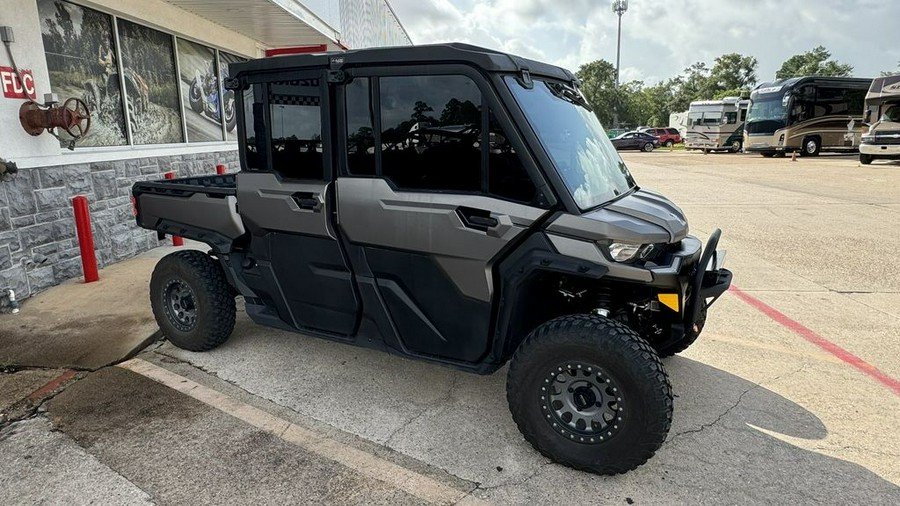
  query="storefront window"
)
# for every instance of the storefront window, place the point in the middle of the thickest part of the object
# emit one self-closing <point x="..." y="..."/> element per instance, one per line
<point x="225" y="59"/>
<point x="159" y="104"/>
<point x="148" y="62"/>
<point x="200" y="89"/>
<point x="81" y="60"/>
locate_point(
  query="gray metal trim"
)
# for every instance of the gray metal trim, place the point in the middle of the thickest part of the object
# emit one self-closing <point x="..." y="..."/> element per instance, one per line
<point x="590" y="251"/>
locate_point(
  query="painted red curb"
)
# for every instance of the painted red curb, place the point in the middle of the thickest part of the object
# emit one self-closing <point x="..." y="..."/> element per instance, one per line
<point x="51" y="385"/>
<point x="810" y="335"/>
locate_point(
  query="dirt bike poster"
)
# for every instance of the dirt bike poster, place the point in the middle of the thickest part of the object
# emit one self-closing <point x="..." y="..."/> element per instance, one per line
<point x="231" y="119"/>
<point x="151" y="84"/>
<point x="199" y="81"/>
<point x="81" y="60"/>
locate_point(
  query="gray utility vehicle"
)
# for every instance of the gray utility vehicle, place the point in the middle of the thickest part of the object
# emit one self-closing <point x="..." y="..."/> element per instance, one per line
<point x="452" y="204"/>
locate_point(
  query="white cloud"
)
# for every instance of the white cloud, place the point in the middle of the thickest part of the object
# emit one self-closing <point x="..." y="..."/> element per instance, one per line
<point x="659" y="39"/>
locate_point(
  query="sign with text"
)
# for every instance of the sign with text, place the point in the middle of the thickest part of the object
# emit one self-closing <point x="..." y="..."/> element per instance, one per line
<point x="17" y="84"/>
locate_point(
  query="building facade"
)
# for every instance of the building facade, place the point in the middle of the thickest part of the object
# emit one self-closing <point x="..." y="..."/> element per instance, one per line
<point x="150" y="72"/>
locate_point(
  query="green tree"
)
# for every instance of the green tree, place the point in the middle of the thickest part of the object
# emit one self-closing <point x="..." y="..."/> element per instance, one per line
<point x="813" y="63"/>
<point x="731" y="72"/>
<point x="598" y="83"/>
<point x="894" y="72"/>
<point x="691" y="85"/>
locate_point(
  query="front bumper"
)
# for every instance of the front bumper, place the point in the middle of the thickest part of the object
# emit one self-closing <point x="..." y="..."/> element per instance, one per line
<point x="880" y="149"/>
<point x="708" y="282"/>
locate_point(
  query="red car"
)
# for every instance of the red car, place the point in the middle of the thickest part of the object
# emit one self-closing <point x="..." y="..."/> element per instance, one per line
<point x="667" y="136"/>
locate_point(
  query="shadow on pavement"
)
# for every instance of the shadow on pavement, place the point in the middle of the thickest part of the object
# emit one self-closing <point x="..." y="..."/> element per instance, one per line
<point x="460" y="422"/>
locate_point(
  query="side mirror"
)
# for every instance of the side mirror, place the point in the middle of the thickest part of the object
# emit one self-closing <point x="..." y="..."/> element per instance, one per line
<point x="867" y="117"/>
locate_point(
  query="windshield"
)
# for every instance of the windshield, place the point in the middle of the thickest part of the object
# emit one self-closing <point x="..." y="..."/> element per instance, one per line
<point x="585" y="159"/>
<point x="767" y="114"/>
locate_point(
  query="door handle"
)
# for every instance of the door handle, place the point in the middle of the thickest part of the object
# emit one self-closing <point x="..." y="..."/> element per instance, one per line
<point x="307" y="200"/>
<point x="479" y="219"/>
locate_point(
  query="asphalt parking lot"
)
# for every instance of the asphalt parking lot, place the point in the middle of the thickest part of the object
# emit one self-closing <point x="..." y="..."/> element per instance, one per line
<point x="791" y="395"/>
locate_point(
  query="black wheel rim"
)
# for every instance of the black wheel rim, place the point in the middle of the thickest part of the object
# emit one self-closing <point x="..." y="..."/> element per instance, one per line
<point x="582" y="403"/>
<point x="180" y="304"/>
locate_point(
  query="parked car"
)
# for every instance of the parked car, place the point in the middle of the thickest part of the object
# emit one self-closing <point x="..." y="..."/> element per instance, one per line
<point x="453" y="243"/>
<point x="636" y="140"/>
<point x="668" y="137"/>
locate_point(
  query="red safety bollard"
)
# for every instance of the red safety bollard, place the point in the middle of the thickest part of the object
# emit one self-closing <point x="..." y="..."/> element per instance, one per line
<point x="176" y="240"/>
<point x="220" y="169"/>
<point x="85" y="239"/>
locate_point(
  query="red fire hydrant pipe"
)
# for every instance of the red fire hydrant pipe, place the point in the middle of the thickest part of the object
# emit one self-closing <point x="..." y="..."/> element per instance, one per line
<point x="176" y="240"/>
<point x="85" y="239"/>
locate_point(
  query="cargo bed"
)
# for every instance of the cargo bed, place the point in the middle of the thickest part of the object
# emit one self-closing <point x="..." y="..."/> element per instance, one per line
<point x="199" y="208"/>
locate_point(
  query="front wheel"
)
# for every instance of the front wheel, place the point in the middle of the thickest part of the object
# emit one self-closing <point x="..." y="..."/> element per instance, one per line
<point x="811" y="146"/>
<point x="589" y="393"/>
<point x="865" y="159"/>
<point x="192" y="300"/>
<point x="648" y="147"/>
<point x="195" y="97"/>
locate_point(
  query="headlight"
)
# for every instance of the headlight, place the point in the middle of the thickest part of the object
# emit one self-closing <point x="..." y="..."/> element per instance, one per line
<point x="868" y="139"/>
<point x="624" y="252"/>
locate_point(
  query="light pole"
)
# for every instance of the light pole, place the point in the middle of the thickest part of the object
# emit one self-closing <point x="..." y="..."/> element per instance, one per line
<point x="619" y="7"/>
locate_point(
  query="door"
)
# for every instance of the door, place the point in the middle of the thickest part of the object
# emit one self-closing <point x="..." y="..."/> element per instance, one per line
<point x="434" y="191"/>
<point x="286" y="198"/>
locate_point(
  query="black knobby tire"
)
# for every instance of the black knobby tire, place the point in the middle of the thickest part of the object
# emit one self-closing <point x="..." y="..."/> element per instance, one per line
<point x="673" y="346"/>
<point x="643" y="413"/>
<point x="195" y="98"/>
<point x="209" y="318"/>
<point x="865" y="159"/>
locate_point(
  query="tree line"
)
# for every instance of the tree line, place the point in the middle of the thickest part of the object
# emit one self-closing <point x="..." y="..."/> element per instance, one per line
<point x="731" y="75"/>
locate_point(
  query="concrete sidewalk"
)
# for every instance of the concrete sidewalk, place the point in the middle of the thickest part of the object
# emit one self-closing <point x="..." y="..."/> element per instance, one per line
<point x="84" y="326"/>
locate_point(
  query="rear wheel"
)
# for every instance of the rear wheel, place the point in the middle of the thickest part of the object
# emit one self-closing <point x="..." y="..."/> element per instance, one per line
<point x="647" y="147"/>
<point x="192" y="301"/>
<point x="865" y="159"/>
<point x="670" y="143"/>
<point x="811" y="146"/>
<point x="736" y="146"/>
<point x="768" y="154"/>
<point x="589" y="393"/>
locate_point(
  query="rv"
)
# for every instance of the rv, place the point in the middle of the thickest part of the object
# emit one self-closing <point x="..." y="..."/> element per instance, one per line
<point x="716" y="124"/>
<point x="806" y="114"/>
<point x="882" y="140"/>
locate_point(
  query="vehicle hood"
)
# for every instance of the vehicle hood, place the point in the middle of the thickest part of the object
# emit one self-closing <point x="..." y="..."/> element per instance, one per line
<point x="884" y="127"/>
<point x="642" y="217"/>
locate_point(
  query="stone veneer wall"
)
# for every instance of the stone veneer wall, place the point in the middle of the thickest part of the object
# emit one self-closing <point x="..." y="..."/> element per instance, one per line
<point x="38" y="247"/>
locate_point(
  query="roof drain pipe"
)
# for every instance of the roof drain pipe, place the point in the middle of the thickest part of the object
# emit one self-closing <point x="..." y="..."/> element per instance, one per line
<point x="13" y="303"/>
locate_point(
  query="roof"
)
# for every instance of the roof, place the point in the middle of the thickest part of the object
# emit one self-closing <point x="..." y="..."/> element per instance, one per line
<point x="884" y="88"/>
<point x="782" y="84"/>
<point x="487" y="59"/>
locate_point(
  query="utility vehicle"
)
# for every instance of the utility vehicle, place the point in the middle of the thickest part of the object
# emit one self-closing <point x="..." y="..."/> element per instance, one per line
<point x="452" y="204"/>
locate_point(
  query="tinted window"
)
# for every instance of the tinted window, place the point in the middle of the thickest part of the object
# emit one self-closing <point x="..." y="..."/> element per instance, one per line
<point x="731" y="117"/>
<point x="360" y="129"/>
<point x="254" y="128"/>
<point x="507" y="177"/>
<point x="431" y="127"/>
<point x="296" y="129"/>
<point x="743" y="114"/>
<point x="674" y="131"/>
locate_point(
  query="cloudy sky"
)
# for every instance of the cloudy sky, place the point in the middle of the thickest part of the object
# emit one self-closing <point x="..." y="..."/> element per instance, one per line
<point x="662" y="37"/>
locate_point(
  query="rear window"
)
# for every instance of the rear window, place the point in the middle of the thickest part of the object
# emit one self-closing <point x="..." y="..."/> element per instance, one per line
<point x="673" y="131"/>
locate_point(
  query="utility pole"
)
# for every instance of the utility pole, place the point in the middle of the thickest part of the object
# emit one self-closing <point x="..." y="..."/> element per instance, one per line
<point x="619" y="7"/>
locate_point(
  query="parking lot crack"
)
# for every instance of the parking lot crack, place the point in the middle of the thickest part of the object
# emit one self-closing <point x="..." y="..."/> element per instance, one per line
<point x="736" y="403"/>
<point x="438" y="403"/>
